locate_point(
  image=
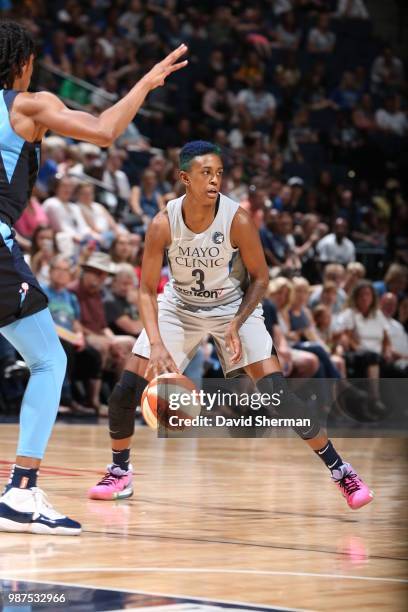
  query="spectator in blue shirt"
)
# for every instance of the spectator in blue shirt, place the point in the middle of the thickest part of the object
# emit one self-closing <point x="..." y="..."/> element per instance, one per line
<point x="395" y="281"/>
<point x="277" y="249"/>
<point x="84" y="362"/>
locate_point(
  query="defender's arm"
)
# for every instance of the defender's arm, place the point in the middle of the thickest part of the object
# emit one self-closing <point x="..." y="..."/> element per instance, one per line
<point x="47" y="112"/>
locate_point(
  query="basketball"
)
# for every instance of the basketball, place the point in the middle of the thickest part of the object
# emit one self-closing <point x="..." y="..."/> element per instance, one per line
<point x="168" y="401"/>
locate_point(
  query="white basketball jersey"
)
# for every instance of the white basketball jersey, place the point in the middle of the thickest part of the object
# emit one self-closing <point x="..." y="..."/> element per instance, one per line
<point x="205" y="270"/>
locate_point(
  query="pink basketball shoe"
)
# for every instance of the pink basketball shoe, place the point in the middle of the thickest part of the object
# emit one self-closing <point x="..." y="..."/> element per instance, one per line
<point x="116" y="484"/>
<point x="355" y="491"/>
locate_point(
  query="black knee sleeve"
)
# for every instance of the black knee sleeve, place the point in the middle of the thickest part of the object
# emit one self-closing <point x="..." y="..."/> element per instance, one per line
<point x="122" y="405"/>
<point x="290" y="406"/>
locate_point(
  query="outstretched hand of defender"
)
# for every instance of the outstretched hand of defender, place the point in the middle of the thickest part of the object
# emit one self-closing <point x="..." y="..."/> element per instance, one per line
<point x="233" y="343"/>
<point x="158" y="74"/>
<point x="160" y="362"/>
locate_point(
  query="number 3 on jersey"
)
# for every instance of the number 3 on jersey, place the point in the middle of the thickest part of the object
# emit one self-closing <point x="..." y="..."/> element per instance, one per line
<point x="199" y="274"/>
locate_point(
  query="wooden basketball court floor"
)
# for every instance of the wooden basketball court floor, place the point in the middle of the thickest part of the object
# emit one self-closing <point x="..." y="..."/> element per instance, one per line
<point x="253" y="521"/>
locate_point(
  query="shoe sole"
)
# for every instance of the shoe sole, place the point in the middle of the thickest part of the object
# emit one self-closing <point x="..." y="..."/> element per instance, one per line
<point x="128" y="492"/>
<point x="36" y="528"/>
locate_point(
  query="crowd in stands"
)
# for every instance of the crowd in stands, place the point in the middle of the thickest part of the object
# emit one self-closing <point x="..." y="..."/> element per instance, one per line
<point x="309" y="109"/>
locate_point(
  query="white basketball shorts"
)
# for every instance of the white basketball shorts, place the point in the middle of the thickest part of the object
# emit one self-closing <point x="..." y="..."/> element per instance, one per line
<point x="182" y="331"/>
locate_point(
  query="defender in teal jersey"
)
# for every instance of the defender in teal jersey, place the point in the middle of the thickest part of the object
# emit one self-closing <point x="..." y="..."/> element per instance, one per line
<point x="24" y="317"/>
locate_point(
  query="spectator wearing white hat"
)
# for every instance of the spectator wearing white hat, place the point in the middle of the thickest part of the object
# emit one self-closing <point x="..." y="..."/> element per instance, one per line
<point x="89" y="291"/>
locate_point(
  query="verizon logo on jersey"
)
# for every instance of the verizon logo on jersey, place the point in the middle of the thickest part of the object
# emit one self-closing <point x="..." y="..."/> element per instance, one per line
<point x="206" y="293"/>
<point x="199" y="257"/>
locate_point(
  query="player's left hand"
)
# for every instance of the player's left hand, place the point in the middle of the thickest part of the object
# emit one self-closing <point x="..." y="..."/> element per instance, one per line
<point x="163" y="69"/>
<point x="233" y="343"/>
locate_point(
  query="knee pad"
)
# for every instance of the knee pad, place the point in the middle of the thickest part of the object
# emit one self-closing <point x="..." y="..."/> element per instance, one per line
<point x="122" y="408"/>
<point x="122" y="405"/>
<point x="290" y="406"/>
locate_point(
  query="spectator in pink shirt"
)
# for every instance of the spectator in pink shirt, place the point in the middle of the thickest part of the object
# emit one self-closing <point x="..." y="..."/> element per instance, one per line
<point x="33" y="216"/>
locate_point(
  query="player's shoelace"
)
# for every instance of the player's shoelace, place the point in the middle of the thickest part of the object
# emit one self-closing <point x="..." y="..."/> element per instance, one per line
<point x="108" y="479"/>
<point x="350" y="483"/>
<point x="43" y="505"/>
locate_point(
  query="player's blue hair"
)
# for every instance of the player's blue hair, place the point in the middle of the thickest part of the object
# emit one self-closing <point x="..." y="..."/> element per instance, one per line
<point x="195" y="148"/>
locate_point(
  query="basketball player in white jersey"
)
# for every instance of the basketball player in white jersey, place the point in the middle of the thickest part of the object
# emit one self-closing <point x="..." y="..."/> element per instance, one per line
<point x="218" y="279"/>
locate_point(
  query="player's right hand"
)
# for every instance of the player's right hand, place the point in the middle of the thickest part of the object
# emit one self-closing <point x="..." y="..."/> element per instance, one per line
<point x="158" y="74"/>
<point x="160" y="362"/>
